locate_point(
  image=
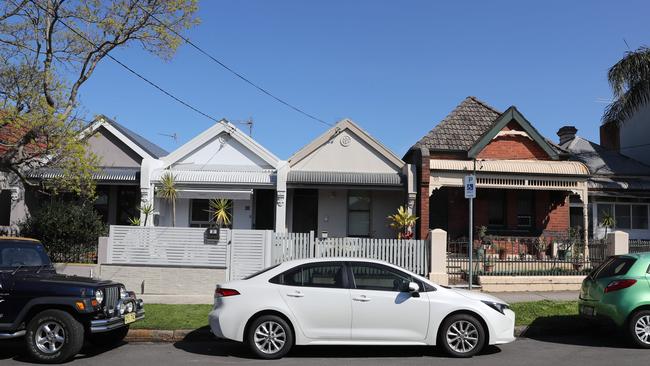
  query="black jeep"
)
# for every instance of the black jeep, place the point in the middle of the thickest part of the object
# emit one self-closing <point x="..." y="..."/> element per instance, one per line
<point x="54" y="312"/>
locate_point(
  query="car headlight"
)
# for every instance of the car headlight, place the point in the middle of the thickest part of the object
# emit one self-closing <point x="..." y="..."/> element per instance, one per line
<point x="99" y="296"/>
<point x="123" y="293"/>
<point x="121" y="308"/>
<point x="129" y="307"/>
<point x="497" y="306"/>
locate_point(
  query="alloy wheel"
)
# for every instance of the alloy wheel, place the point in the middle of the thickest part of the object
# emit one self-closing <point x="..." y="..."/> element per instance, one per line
<point x="642" y="329"/>
<point x="49" y="337"/>
<point x="462" y="336"/>
<point x="270" y="337"/>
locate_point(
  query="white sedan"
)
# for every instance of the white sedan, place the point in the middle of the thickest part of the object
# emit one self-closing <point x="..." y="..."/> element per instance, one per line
<point x="349" y="301"/>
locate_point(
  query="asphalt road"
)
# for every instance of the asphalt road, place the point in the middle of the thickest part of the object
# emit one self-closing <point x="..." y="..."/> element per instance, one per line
<point x="593" y="350"/>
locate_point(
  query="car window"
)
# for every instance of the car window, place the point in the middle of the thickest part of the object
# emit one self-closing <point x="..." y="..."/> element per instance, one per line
<point x="368" y="276"/>
<point x="329" y="274"/>
<point x="615" y="267"/>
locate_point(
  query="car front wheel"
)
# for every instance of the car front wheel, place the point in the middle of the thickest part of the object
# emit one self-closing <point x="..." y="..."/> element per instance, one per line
<point x="270" y="337"/>
<point x="462" y="335"/>
<point x="54" y="336"/>
<point x="639" y="328"/>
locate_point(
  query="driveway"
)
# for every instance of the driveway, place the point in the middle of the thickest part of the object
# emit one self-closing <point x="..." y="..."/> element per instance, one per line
<point x="602" y="348"/>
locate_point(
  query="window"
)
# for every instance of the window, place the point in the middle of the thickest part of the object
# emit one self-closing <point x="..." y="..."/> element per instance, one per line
<point x="200" y="214"/>
<point x="377" y="277"/>
<point x="101" y="202"/>
<point x="359" y="213"/>
<point x="604" y="209"/>
<point x="622" y="216"/>
<point x="525" y="208"/>
<point x="128" y="201"/>
<point x="23" y="254"/>
<point x="329" y="274"/>
<point x="640" y="217"/>
<point x="496" y="209"/>
<point x="614" y="267"/>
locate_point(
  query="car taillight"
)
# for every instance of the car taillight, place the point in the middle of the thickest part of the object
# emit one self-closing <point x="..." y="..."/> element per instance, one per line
<point x="225" y="292"/>
<point x="619" y="285"/>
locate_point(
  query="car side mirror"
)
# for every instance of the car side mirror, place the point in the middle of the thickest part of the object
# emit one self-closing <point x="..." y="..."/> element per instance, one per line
<point x="412" y="287"/>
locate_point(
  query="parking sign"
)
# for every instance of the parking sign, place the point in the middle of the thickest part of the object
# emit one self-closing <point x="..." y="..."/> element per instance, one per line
<point x="470" y="186"/>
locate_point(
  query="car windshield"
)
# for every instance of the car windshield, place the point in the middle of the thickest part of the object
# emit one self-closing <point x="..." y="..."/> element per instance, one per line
<point x="617" y="266"/>
<point x="19" y="254"/>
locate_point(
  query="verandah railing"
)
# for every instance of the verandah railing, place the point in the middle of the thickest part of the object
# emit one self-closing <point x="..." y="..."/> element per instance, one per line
<point x="639" y="245"/>
<point x="523" y="256"/>
<point x="412" y="255"/>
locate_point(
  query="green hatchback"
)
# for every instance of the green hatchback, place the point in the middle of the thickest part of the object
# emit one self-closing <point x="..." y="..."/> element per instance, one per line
<point x="619" y="290"/>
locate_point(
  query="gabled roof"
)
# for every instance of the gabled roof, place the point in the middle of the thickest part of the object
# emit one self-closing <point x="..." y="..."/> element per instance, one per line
<point x="345" y="124"/>
<point x="603" y="162"/>
<point x="511" y="114"/>
<point x="460" y="130"/>
<point x="139" y="144"/>
<point x="214" y="131"/>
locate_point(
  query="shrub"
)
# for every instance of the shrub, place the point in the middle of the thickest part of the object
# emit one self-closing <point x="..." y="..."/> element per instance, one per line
<point x="69" y="230"/>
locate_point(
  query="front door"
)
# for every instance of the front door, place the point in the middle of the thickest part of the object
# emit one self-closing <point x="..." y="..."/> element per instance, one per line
<point x="305" y="210"/>
<point x="319" y="300"/>
<point x="381" y="311"/>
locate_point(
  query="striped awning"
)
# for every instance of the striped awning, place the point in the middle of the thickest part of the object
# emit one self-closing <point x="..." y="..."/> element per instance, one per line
<point x="536" y="167"/>
<point x="103" y="174"/>
<point x="351" y="178"/>
<point x="256" y="177"/>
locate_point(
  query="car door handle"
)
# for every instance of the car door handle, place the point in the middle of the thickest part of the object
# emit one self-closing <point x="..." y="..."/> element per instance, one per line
<point x="361" y="298"/>
<point x="296" y="294"/>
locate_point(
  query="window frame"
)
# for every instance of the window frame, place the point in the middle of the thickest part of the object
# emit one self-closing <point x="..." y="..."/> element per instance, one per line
<point x="210" y="222"/>
<point x="346" y="279"/>
<point x="352" y="282"/>
<point x="348" y="211"/>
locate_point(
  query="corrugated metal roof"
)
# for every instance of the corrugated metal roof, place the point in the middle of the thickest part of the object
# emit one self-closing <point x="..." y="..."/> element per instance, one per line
<point x="619" y="183"/>
<point x="538" y="167"/>
<point x="266" y="176"/>
<point x="104" y="174"/>
<point x="353" y="178"/>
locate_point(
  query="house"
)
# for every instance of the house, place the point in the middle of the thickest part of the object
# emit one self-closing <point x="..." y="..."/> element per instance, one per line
<point x="346" y="183"/>
<point x="524" y="183"/>
<point x="120" y="152"/>
<point x="629" y="137"/>
<point x="619" y="186"/>
<point x="220" y="163"/>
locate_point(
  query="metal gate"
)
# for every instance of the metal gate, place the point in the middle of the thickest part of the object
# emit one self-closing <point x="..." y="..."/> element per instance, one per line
<point x="248" y="252"/>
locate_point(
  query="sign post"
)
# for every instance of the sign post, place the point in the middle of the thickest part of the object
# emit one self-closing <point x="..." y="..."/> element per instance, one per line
<point x="470" y="193"/>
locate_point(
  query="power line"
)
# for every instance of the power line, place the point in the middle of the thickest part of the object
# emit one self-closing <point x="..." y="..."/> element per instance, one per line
<point x="169" y="94"/>
<point x="240" y="76"/>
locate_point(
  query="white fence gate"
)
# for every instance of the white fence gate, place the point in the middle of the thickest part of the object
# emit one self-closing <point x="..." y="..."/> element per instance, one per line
<point x="412" y="255"/>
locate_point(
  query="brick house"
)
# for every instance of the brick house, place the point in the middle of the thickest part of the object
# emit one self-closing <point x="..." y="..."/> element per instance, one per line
<point x="524" y="182"/>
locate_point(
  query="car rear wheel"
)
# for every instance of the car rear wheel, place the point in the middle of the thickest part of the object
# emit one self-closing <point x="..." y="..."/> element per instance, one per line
<point x="462" y="335"/>
<point x="639" y="328"/>
<point x="54" y="336"/>
<point x="270" y="337"/>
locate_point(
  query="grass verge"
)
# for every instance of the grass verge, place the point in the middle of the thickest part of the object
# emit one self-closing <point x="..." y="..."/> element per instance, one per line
<point x="529" y="312"/>
<point x="169" y="317"/>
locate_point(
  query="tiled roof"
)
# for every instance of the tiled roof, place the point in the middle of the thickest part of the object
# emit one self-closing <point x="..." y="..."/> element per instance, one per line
<point x="461" y="128"/>
<point x="146" y="145"/>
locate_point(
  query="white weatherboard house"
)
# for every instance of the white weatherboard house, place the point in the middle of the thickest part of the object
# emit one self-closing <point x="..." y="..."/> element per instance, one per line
<point x="346" y="183"/>
<point x="221" y="162"/>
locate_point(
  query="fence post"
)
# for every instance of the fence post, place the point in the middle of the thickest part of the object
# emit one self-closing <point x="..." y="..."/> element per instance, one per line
<point x="102" y="250"/>
<point x="268" y="248"/>
<point x="618" y="242"/>
<point x="438" y="271"/>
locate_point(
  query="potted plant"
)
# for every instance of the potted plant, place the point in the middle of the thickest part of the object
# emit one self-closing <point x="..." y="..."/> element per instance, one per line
<point x="578" y="262"/>
<point x="541" y="244"/>
<point x="488" y="265"/>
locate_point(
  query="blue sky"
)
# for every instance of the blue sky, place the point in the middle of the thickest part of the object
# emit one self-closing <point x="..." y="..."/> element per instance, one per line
<point x="396" y="68"/>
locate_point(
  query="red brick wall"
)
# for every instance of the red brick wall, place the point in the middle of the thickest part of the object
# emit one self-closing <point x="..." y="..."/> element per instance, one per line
<point x="558" y="216"/>
<point x="513" y="147"/>
<point x="610" y="136"/>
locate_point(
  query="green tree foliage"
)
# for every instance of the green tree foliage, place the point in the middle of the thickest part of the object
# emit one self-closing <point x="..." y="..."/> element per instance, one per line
<point x="220" y="209"/>
<point x="168" y="192"/>
<point x="64" y="226"/>
<point x="403" y="222"/>
<point x="629" y="79"/>
<point x="48" y="50"/>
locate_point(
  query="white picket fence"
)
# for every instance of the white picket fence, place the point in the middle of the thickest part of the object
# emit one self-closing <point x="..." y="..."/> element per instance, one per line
<point x="412" y="255"/>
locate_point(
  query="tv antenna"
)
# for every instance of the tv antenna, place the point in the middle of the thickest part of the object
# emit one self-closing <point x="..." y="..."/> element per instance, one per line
<point x="249" y="122"/>
<point x="173" y="136"/>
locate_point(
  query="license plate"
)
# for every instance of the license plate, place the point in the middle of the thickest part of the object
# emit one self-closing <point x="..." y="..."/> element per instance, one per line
<point x="129" y="318"/>
<point x="587" y="310"/>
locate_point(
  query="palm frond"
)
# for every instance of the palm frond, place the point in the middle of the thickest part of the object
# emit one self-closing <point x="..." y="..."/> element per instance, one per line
<point x="630" y="82"/>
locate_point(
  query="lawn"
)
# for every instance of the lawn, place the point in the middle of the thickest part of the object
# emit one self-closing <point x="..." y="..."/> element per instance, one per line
<point x="527" y="312"/>
<point x="158" y="316"/>
<point x="195" y="316"/>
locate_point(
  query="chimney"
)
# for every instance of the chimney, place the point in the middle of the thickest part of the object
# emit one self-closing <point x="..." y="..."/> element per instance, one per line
<point x="567" y="133"/>
<point x="610" y="136"/>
